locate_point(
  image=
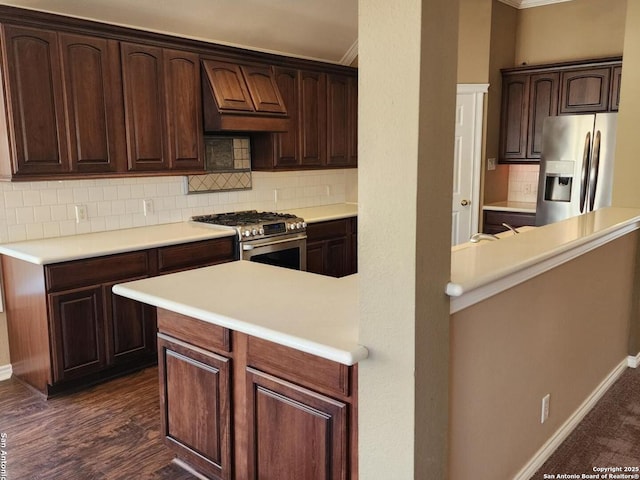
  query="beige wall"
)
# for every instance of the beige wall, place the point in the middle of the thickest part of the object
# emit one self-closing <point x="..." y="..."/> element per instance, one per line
<point x="474" y="32"/>
<point x="561" y="333"/>
<point x="502" y="51"/>
<point x="570" y="30"/>
<point x="404" y="225"/>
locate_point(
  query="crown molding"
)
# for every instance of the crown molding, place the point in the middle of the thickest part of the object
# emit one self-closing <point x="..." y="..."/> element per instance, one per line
<point x="350" y="55"/>
<point x="520" y="4"/>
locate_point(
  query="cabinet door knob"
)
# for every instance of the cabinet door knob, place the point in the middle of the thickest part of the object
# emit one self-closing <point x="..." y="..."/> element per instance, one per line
<point x="464" y="203"/>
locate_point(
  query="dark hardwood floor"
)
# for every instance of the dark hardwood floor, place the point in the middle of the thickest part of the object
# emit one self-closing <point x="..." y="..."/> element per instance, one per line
<point x="110" y="431"/>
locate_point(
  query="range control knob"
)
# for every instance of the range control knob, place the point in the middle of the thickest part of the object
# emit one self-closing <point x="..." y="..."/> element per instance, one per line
<point x="261" y="231"/>
<point x="304" y="224"/>
<point x="254" y="231"/>
<point x="292" y="226"/>
<point x="246" y="233"/>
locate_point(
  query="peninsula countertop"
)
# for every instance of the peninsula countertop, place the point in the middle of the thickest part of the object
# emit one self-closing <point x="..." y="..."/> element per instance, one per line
<point x="312" y="313"/>
<point x="481" y="270"/>
<point x="76" y="247"/>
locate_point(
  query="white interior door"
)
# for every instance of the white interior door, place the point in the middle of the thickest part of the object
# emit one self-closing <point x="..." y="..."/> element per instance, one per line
<point x="467" y="161"/>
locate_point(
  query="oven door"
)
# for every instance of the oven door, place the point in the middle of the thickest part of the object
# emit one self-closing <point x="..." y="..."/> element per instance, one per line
<point x="287" y="251"/>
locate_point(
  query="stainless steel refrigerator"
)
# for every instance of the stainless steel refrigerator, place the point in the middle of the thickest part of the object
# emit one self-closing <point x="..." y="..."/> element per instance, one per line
<point x="576" y="168"/>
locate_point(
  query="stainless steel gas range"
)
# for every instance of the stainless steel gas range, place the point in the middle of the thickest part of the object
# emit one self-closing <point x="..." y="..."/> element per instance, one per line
<point x="266" y="237"/>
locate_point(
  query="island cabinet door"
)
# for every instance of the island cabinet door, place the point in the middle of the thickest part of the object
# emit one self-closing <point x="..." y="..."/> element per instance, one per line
<point x="195" y="406"/>
<point x="294" y="433"/>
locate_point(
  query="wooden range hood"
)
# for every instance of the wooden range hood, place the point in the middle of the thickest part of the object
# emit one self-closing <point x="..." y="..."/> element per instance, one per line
<point x="241" y="98"/>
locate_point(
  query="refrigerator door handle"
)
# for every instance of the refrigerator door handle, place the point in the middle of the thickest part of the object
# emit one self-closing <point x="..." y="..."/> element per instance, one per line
<point x="595" y="168"/>
<point x="584" y="175"/>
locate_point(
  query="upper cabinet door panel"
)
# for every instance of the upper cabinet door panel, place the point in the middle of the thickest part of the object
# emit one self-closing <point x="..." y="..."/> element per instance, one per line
<point x="337" y="123"/>
<point x="37" y="111"/>
<point x="143" y="85"/>
<point x="228" y="85"/>
<point x="263" y="90"/>
<point x="616" y="82"/>
<point x="184" y="110"/>
<point x="353" y="121"/>
<point x="313" y="112"/>
<point x="543" y="103"/>
<point x="585" y="90"/>
<point x="93" y="91"/>
<point x="514" y="117"/>
<point x="288" y="142"/>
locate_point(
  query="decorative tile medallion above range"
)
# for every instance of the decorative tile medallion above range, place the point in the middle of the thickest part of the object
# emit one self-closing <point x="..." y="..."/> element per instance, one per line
<point x="228" y="161"/>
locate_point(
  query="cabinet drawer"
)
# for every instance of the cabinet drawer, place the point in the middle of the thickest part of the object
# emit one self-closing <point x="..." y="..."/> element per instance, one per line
<point x="318" y="373"/>
<point x="493" y="220"/>
<point x="196" y="332"/>
<point x="196" y="254"/>
<point x="330" y="229"/>
<point x="93" y="271"/>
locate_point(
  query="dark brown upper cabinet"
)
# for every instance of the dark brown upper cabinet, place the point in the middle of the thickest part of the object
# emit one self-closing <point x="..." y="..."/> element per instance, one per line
<point x="585" y="90"/>
<point x="532" y="93"/>
<point x="183" y="103"/>
<point x="144" y="94"/>
<point x="93" y="92"/>
<point x="323" y="134"/>
<point x="33" y="83"/>
<point x="242" y="98"/>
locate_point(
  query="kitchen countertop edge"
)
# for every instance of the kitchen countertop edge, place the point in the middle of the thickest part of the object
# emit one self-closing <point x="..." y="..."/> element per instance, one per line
<point x="325" y="213"/>
<point x="477" y="287"/>
<point x="516" y="207"/>
<point x="77" y="247"/>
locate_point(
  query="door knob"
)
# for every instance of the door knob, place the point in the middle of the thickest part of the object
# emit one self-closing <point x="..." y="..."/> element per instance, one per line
<point x="464" y="203"/>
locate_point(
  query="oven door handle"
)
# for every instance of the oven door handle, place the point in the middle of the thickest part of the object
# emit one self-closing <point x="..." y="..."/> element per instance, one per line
<point x="246" y="247"/>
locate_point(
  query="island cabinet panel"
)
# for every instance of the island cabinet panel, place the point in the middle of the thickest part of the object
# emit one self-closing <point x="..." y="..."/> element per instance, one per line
<point x="35" y="94"/>
<point x="294" y="415"/>
<point x="94" y="103"/>
<point x="144" y="94"/>
<point x="294" y="432"/>
<point x="195" y="402"/>
<point x="77" y="333"/>
<point x="332" y="247"/>
<point x="585" y="90"/>
<point x="184" y="110"/>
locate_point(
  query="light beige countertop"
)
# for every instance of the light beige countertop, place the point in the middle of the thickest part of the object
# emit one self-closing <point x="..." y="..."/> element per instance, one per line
<point x="75" y="247"/>
<point x="324" y="213"/>
<point x="524" y="207"/>
<point x="288" y="307"/>
<point x="481" y="270"/>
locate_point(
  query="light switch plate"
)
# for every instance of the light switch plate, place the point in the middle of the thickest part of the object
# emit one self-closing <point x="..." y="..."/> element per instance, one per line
<point x="491" y="163"/>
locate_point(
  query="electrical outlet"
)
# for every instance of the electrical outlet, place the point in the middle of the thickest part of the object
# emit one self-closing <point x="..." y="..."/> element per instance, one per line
<point x="81" y="213"/>
<point x="147" y="207"/>
<point x="491" y="163"/>
<point x="544" y="414"/>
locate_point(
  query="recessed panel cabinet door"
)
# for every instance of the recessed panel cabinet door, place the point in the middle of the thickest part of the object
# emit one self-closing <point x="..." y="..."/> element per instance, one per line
<point x="77" y="333"/>
<point x="514" y="118"/>
<point x="543" y="103"/>
<point x="585" y="91"/>
<point x="294" y="433"/>
<point x="313" y="117"/>
<point x="93" y="90"/>
<point x="184" y="110"/>
<point x="144" y="93"/>
<point x="337" y="120"/>
<point x="195" y="404"/>
<point x="38" y="129"/>
<point x="287" y="143"/>
<point x="263" y="89"/>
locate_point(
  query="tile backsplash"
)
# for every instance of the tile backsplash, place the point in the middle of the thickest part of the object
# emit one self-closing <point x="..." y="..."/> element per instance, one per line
<point x="523" y="183"/>
<point x="33" y="210"/>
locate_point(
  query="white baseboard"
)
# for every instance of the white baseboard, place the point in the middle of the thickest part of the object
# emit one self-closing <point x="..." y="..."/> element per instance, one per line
<point x="572" y="422"/>
<point x="632" y="361"/>
<point x="5" y="372"/>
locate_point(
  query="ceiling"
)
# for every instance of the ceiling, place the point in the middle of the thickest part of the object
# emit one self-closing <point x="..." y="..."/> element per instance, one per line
<point x="317" y="29"/>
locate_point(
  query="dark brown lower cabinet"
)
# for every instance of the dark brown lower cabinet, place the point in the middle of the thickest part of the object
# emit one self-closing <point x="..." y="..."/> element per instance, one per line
<point x="195" y="402"/>
<point x="294" y="432"/>
<point x="70" y="330"/>
<point x="240" y="407"/>
<point x="332" y="247"/>
<point x="493" y="220"/>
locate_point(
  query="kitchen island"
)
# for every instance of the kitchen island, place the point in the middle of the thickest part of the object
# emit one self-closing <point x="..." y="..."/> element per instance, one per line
<point x="258" y="369"/>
